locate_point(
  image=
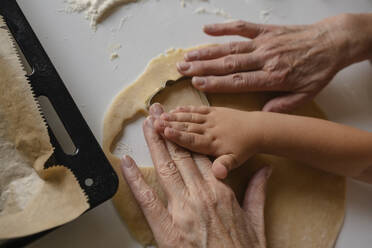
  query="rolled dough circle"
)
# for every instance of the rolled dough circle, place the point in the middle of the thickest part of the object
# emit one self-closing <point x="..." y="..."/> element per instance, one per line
<point x="305" y="207"/>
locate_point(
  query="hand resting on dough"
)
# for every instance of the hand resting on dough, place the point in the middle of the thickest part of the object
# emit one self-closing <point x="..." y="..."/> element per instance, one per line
<point x="233" y="136"/>
<point x="298" y="60"/>
<point x="201" y="211"/>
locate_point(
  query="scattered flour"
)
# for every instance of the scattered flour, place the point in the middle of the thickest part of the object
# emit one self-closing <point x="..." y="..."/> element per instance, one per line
<point x="94" y="10"/>
<point x="113" y="49"/>
<point x="216" y="11"/>
<point x="19" y="182"/>
<point x="170" y="50"/>
<point x="122" y="21"/>
<point x="114" y="55"/>
<point x="265" y="15"/>
<point x="183" y="3"/>
<point x="121" y="24"/>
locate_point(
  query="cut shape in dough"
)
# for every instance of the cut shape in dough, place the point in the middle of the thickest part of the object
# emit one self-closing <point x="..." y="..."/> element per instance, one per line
<point x="305" y="206"/>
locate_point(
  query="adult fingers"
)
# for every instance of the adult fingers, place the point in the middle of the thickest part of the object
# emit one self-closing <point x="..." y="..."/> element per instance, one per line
<point x="286" y="103"/>
<point x="182" y="158"/>
<point x="239" y="82"/>
<point x="254" y="202"/>
<point x="221" y="66"/>
<point x="186" y="166"/>
<point x="156" y="109"/>
<point x="155" y="212"/>
<point x="242" y="28"/>
<point x="166" y="169"/>
<point x="215" y="52"/>
<point x="204" y="165"/>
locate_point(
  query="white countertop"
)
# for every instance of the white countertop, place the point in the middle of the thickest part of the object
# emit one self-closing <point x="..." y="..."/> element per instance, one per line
<point x="82" y="58"/>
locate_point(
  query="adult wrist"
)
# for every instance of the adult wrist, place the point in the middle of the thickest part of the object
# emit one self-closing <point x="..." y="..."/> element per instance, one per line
<point x="356" y="30"/>
<point x="349" y="38"/>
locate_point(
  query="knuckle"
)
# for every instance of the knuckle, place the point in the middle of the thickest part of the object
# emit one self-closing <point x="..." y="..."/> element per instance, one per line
<point x="133" y="178"/>
<point x="183" y="126"/>
<point x="240" y="25"/>
<point x="239" y="80"/>
<point x="180" y="154"/>
<point x="148" y="198"/>
<point x="207" y="53"/>
<point x="229" y="63"/>
<point x="211" y="199"/>
<point x="167" y="169"/>
<point x="233" y="47"/>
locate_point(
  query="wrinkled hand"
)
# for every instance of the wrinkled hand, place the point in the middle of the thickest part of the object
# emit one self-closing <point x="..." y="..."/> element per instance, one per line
<point x="202" y="211"/>
<point x="298" y="61"/>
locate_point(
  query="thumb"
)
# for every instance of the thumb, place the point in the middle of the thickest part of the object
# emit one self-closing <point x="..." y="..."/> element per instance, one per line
<point x="223" y="164"/>
<point x="241" y="28"/>
<point x="254" y="202"/>
<point x="286" y="103"/>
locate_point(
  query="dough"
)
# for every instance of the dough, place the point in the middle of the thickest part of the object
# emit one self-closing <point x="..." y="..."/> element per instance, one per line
<point x="305" y="207"/>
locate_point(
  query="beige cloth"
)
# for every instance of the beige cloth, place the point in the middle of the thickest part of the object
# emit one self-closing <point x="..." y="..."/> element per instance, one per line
<point x="32" y="199"/>
<point x="305" y="207"/>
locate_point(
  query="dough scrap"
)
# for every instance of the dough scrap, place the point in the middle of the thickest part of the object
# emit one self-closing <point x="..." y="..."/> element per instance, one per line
<point x="305" y="206"/>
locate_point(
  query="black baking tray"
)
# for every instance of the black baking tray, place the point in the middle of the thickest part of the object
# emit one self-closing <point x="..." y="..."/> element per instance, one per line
<point x="89" y="162"/>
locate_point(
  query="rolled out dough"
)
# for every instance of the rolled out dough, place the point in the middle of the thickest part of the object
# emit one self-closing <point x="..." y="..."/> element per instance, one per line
<point x="305" y="207"/>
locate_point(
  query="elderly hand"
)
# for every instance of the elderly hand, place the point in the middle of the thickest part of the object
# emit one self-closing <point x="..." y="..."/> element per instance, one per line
<point x="202" y="211"/>
<point x="295" y="60"/>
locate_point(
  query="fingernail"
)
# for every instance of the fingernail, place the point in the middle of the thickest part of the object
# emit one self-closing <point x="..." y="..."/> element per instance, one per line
<point x="192" y="55"/>
<point x="125" y="161"/>
<point x="149" y="196"/>
<point x="157" y="109"/>
<point x="209" y="28"/>
<point x="198" y="81"/>
<point x="183" y="66"/>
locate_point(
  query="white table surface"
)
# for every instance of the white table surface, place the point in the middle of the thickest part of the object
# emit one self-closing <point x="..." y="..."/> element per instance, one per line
<point x="81" y="57"/>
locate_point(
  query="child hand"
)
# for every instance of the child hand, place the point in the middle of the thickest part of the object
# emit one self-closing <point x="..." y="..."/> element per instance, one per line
<point x="232" y="136"/>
